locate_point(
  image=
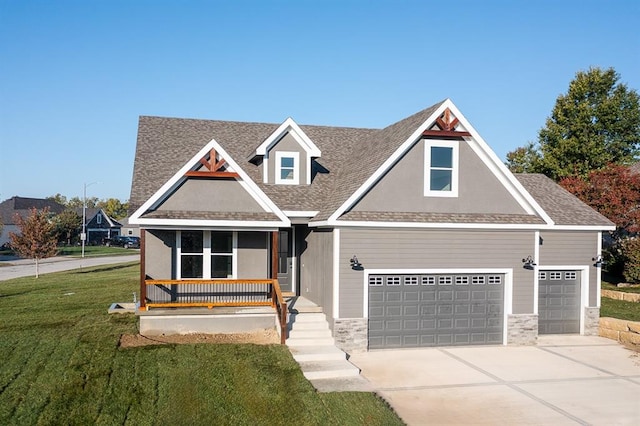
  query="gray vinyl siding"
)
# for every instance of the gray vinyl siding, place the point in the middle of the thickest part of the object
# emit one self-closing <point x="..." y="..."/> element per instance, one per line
<point x="316" y="268"/>
<point x="253" y="255"/>
<point x="288" y="144"/>
<point x="160" y="254"/>
<point x="402" y="188"/>
<point x="422" y="249"/>
<point x="223" y="195"/>
<point x="571" y="248"/>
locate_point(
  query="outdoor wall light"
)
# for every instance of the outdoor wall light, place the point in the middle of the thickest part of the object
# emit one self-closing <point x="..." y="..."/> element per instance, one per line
<point x="355" y="264"/>
<point x="528" y="263"/>
<point x="598" y="261"/>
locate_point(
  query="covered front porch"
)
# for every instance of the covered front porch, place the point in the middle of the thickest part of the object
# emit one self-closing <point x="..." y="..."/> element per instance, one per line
<point x="195" y="299"/>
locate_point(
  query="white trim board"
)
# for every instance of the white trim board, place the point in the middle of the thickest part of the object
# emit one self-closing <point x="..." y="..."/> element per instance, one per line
<point x="451" y="225"/>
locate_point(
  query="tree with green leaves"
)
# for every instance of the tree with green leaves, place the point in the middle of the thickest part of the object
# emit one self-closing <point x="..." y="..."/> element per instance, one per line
<point x="114" y="207"/>
<point x="58" y="198"/>
<point x="67" y="225"/>
<point x="596" y="123"/>
<point x="37" y="238"/>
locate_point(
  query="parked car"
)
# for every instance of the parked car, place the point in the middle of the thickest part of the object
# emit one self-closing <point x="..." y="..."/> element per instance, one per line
<point x="123" y="241"/>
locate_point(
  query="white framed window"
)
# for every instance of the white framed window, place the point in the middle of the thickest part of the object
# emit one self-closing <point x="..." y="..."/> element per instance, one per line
<point x="287" y="168"/>
<point x="375" y="281"/>
<point x="429" y="280"/>
<point x="411" y="280"/>
<point x="441" y="168"/>
<point x="206" y="254"/>
<point x="495" y="279"/>
<point x="542" y="275"/>
<point x="570" y="276"/>
<point x="462" y="280"/>
<point x="393" y="280"/>
<point x="478" y="280"/>
<point x="445" y="280"/>
<point x="99" y="219"/>
<point x="555" y="276"/>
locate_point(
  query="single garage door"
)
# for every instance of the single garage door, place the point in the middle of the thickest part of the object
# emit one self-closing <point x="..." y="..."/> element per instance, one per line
<point x="419" y="310"/>
<point x="558" y="302"/>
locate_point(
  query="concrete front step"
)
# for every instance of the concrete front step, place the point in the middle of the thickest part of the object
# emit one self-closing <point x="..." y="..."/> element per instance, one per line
<point x="313" y="370"/>
<point x="309" y="325"/>
<point x="317" y="353"/>
<point x="310" y="334"/>
<point x="307" y="317"/>
<point x="311" y="341"/>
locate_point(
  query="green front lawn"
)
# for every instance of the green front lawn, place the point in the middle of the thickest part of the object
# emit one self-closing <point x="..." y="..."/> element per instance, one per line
<point x="93" y="251"/>
<point x="61" y="364"/>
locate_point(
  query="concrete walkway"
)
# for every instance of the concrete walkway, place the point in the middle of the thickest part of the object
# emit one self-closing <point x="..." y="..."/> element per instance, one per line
<point x="562" y="380"/>
<point x="26" y="267"/>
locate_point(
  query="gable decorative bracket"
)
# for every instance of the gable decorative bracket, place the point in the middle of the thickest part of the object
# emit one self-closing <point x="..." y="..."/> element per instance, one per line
<point x="445" y="127"/>
<point x="214" y="167"/>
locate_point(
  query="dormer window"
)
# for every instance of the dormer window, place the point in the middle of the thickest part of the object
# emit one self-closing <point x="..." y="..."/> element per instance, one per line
<point x="287" y="168"/>
<point x="441" y="168"/>
<point x="286" y="156"/>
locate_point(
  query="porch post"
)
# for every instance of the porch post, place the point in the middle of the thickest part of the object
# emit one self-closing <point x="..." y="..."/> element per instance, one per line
<point x="274" y="255"/>
<point x="143" y="274"/>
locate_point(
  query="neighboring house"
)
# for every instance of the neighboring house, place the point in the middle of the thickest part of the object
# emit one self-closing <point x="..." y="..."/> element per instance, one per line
<point x="99" y="226"/>
<point x="21" y="206"/>
<point x="412" y="235"/>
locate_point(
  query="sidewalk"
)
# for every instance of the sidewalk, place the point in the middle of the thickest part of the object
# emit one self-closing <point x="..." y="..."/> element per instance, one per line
<point x="26" y="267"/>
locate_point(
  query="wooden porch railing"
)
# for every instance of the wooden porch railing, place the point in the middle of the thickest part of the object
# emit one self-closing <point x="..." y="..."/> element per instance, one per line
<point x="212" y="293"/>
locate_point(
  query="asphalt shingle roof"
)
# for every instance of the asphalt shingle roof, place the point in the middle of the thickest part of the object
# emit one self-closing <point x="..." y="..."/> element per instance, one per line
<point x="349" y="157"/>
<point x="21" y="206"/>
<point x="562" y="206"/>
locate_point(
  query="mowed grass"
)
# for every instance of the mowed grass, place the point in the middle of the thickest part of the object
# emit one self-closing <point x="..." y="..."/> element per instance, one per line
<point x="94" y="251"/>
<point x="620" y="309"/>
<point x="60" y="363"/>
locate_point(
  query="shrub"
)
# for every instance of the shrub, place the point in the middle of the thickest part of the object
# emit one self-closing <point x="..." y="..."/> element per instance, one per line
<point x="631" y="254"/>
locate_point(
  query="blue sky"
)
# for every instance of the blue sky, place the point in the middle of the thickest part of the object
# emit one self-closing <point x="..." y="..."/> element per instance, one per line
<point x="76" y="75"/>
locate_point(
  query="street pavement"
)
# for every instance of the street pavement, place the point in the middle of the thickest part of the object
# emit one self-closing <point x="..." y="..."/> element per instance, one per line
<point x="10" y="269"/>
<point x="563" y="380"/>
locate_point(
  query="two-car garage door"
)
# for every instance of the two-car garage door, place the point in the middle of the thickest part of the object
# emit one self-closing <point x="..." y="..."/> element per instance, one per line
<point x="419" y="310"/>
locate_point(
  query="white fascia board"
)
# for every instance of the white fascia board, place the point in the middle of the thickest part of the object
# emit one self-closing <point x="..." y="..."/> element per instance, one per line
<point x="245" y="181"/>
<point x="389" y="162"/>
<point x="433" y="225"/>
<point x="318" y="223"/>
<point x="491" y="160"/>
<point x="200" y="224"/>
<point x="300" y="213"/>
<point x="301" y="137"/>
<point x="578" y="228"/>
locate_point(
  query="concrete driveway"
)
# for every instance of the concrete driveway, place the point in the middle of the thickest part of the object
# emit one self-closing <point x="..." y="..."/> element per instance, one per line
<point x="562" y="380"/>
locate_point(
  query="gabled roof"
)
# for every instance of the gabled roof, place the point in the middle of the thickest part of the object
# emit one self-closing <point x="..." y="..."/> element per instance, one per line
<point x="145" y="214"/>
<point x="352" y="160"/>
<point x="22" y="205"/>
<point x="301" y="137"/>
<point x="91" y="212"/>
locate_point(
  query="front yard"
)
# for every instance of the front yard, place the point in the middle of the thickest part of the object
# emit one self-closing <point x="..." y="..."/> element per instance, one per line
<point x="61" y="363"/>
